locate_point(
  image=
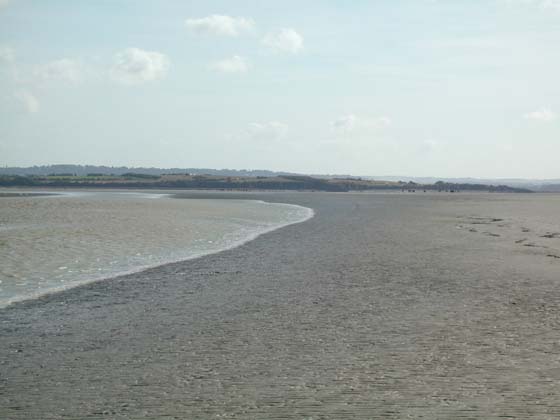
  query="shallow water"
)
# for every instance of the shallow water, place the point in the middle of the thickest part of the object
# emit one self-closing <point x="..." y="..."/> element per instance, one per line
<point x="54" y="242"/>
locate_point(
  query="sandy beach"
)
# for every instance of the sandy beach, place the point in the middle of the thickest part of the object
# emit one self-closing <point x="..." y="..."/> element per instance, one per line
<point x="393" y="306"/>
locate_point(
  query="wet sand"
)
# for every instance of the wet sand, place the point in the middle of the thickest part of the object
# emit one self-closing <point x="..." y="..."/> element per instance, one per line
<point x="389" y="306"/>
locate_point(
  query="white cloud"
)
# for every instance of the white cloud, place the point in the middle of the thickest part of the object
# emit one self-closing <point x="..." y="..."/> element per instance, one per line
<point x="235" y="64"/>
<point x="4" y="3"/>
<point x="544" y="115"/>
<point x="472" y="43"/>
<point x="220" y="25"/>
<point x="27" y="101"/>
<point x="542" y="4"/>
<point x="351" y="122"/>
<point x="64" y="69"/>
<point x="7" y="54"/>
<point x="135" y="66"/>
<point x="551" y="4"/>
<point x="345" y="123"/>
<point x="286" y="40"/>
<point x="271" y="130"/>
<point x="378" y="122"/>
<point x="507" y="147"/>
<point x="428" y="146"/>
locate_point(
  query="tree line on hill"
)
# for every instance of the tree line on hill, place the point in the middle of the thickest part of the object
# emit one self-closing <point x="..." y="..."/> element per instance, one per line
<point x="284" y="182"/>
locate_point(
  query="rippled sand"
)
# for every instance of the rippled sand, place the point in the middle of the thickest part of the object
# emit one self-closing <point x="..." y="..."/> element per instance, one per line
<point x="381" y="306"/>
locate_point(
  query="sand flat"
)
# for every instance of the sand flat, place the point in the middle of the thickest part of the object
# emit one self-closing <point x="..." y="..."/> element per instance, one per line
<point x="381" y="306"/>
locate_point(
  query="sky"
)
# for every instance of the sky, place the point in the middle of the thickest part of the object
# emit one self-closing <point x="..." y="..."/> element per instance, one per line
<point x="444" y="88"/>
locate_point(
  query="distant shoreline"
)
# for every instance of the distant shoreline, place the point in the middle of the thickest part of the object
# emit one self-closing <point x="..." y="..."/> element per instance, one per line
<point x="4" y="194"/>
<point x="239" y="183"/>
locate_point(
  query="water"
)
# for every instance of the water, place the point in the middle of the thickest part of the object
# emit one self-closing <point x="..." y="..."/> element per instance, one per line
<point x="50" y="243"/>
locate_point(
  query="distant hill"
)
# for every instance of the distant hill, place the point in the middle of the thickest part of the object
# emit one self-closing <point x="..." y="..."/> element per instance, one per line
<point x="542" y="185"/>
<point x="532" y="184"/>
<point x="244" y="183"/>
<point x="548" y="188"/>
<point x="84" y="170"/>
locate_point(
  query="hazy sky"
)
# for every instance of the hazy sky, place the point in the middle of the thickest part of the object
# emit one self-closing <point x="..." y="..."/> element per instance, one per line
<point x="382" y="87"/>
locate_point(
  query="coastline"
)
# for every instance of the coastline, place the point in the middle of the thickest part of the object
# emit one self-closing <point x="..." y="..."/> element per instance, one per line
<point x="19" y="299"/>
<point x="378" y="307"/>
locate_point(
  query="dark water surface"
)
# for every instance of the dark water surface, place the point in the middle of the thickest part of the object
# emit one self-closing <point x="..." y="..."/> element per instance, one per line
<point x="390" y="306"/>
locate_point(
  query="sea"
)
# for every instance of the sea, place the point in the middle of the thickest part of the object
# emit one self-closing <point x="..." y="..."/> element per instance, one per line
<point x="52" y="242"/>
